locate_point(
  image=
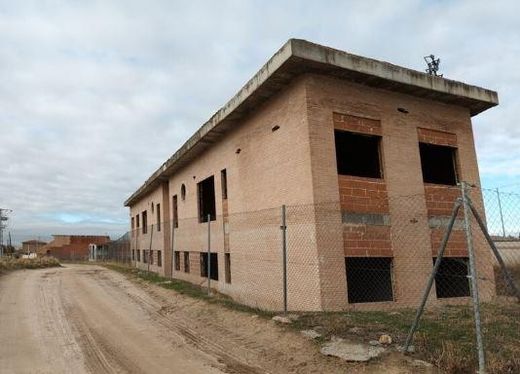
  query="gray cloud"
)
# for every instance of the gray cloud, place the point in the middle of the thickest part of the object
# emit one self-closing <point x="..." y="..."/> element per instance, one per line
<point x="95" y="95"/>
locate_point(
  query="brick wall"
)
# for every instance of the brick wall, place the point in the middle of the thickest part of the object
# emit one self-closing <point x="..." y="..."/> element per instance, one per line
<point x="437" y="137"/>
<point x="440" y="199"/>
<point x="363" y="195"/>
<point x="367" y="240"/>
<point x="357" y="124"/>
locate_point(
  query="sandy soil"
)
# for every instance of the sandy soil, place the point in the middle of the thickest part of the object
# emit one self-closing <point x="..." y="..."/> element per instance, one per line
<point x="87" y="319"/>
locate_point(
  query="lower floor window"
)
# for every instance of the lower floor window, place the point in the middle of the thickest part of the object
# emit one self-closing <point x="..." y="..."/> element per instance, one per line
<point x="177" y="260"/>
<point x="159" y="258"/>
<point x="213" y="265"/>
<point x="369" y="279"/>
<point x="151" y="256"/>
<point x="227" y="267"/>
<point x="186" y="262"/>
<point x="451" y="279"/>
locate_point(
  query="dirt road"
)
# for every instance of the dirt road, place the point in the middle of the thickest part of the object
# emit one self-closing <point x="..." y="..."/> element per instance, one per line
<point x="87" y="319"/>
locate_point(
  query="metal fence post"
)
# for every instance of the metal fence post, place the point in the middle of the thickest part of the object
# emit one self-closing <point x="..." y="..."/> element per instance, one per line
<point x="283" y="227"/>
<point x="474" y="280"/>
<point x="209" y="255"/>
<point x="440" y="254"/>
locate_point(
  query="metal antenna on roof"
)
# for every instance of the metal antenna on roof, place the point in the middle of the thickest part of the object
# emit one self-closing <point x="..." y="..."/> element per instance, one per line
<point x="433" y="65"/>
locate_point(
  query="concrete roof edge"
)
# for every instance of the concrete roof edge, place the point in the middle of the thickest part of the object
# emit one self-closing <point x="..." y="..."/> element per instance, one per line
<point x="388" y="71"/>
<point x="305" y="50"/>
<point x="277" y="60"/>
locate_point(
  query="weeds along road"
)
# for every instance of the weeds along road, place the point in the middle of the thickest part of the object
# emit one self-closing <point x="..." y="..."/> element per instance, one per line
<point x="88" y="319"/>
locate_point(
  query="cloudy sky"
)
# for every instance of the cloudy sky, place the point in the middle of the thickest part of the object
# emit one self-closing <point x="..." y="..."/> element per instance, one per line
<point x="95" y="95"/>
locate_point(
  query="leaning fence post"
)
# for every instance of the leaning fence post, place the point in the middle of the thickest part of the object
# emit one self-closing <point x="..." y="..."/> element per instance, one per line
<point x="209" y="255"/>
<point x="440" y="254"/>
<point x="507" y="274"/>
<point x="283" y="227"/>
<point x="473" y="278"/>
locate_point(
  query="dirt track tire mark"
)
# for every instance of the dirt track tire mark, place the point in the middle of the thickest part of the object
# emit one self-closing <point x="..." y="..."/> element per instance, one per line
<point x="233" y="363"/>
<point x="103" y="355"/>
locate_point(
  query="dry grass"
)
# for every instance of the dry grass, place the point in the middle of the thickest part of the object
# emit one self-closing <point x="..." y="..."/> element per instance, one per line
<point x="445" y="337"/>
<point x="11" y="263"/>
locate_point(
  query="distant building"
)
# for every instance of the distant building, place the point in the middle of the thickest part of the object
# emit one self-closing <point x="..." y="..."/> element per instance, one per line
<point x="32" y="246"/>
<point x="72" y="247"/>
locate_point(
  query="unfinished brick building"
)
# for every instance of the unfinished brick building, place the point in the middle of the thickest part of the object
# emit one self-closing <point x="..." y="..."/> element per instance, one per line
<point x="341" y="140"/>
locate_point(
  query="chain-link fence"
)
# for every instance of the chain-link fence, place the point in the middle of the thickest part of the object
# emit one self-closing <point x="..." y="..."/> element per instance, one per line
<point x="376" y="251"/>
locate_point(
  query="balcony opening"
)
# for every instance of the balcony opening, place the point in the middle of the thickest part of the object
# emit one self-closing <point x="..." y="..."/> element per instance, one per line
<point x="145" y="222"/>
<point x="175" y="212"/>
<point x="223" y="180"/>
<point x="206" y="191"/>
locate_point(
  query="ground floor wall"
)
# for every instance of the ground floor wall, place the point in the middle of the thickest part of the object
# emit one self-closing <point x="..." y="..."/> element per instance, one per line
<point x="324" y="272"/>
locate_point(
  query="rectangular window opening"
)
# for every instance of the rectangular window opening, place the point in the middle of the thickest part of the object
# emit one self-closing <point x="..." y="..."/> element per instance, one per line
<point x="145" y="256"/>
<point x="158" y="210"/>
<point x="186" y="262"/>
<point x="452" y="278"/>
<point x="206" y="191"/>
<point x="438" y="164"/>
<point x="151" y="257"/>
<point x="139" y="255"/>
<point x="159" y="258"/>
<point x="223" y="178"/>
<point x="227" y="266"/>
<point x="369" y="279"/>
<point x="213" y="265"/>
<point x="358" y="154"/>
<point x="177" y="260"/>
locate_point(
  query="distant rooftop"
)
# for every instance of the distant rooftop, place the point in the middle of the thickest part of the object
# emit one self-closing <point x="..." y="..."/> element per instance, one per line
<point x="298" y="57"/>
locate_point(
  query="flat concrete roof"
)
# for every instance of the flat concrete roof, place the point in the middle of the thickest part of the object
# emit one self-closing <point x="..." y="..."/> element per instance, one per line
<point x="298" y="57"/>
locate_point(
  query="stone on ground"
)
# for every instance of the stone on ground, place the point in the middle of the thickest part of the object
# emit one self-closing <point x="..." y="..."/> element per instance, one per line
<point x="311" y="334"/>
<point x="350" y="351"/>
<point x="281" y="319"/>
